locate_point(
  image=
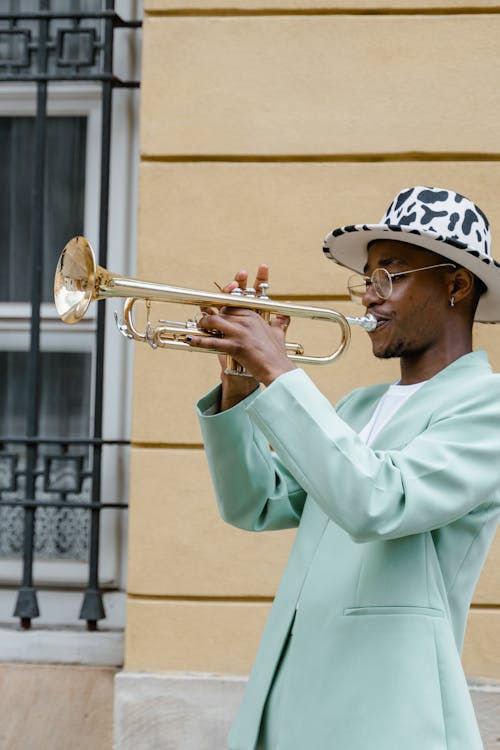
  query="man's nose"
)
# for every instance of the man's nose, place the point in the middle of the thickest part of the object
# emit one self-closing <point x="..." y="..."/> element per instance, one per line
<point x="370" y="297"/>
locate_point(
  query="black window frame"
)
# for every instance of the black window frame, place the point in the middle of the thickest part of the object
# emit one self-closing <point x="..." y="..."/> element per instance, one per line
<point x="42" y="61"/>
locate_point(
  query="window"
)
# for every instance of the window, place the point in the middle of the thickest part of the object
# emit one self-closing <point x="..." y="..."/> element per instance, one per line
<point x="61" y="449"/>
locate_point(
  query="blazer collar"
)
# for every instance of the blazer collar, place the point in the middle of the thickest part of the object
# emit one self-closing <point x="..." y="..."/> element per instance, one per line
<point x="416" y="413"/>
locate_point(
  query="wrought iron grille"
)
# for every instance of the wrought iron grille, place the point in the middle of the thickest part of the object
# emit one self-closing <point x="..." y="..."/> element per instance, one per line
<point x="49" y="481"/>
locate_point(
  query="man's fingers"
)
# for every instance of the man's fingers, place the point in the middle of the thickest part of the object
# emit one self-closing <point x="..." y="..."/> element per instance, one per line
<point x="229" y="287"/>
<point x="240" y="280"/>
<point x="262" y="277"/>
<point x="281" y="321"/>
<point x="220" y="323"/>
<point x="205" y="342"/>
<point x="206" y="310"/>
<point x="242" y="277"/>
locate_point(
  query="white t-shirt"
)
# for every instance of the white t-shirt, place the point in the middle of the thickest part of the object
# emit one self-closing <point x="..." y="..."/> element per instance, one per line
<point x="392" y="400"/>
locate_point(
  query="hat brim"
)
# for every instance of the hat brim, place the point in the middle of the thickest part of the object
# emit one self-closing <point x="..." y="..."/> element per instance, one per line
<point x="348" y="246"/>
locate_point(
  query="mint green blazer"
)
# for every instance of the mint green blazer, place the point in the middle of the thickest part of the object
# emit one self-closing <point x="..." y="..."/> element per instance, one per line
<point x="391" y="540"/>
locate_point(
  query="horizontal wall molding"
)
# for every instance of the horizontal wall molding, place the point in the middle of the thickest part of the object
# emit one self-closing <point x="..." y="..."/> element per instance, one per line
<point x="167" y="446"/>
<point x="485" y="607"/>
<point x="200" y="599"/>
<point x="241" y="12"/>
<point x="203" y="599"/>
<point x="411" y="156"/>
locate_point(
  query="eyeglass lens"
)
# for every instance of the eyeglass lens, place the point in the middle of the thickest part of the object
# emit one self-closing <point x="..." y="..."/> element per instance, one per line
<point x="380" y="279"/>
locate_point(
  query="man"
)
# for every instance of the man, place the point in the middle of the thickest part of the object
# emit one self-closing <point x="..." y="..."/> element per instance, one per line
<point x="396" y="491"/>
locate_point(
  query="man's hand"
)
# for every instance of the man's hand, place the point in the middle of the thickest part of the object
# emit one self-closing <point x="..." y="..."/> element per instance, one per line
<point x="258" y="345"/>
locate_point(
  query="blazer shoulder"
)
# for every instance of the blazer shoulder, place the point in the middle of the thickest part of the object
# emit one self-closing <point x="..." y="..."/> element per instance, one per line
<point x="478" y="394"/>
<point x="361" y="397"/>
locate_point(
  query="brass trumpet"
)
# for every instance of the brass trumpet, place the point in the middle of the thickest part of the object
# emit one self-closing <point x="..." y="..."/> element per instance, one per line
<point x="79" y="280"/>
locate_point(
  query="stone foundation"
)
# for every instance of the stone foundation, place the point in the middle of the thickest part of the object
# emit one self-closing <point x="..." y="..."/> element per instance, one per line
<point x="195" y="711"/>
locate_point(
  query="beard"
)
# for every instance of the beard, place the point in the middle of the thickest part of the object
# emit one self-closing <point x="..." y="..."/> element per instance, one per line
<point x="395" y="350"/>
<point x="399" y="349"/>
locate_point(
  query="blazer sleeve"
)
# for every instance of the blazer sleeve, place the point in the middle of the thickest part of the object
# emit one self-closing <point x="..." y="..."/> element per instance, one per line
<point x="254" y="490"/>
<point x="441" y="475"/>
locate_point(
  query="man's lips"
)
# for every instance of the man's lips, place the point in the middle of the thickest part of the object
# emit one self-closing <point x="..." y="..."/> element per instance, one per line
<point x="382" y="321"/>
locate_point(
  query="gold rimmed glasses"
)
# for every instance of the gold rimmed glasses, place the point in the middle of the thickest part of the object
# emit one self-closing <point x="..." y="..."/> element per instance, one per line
<point x="381" y="281"/>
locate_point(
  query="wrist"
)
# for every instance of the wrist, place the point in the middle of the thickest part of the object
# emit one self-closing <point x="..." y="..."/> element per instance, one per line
<point x="236" y="389"/>
<point x="274" y="373"/>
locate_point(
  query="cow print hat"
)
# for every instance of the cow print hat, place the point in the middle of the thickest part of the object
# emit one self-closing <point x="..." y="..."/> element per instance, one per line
<point x="435" y="219"/>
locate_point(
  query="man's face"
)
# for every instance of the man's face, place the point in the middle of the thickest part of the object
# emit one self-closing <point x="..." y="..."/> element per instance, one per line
<point x="412" y="320"/>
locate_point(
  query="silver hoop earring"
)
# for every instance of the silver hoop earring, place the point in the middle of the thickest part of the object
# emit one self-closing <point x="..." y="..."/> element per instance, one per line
<point x="452" y="302"/>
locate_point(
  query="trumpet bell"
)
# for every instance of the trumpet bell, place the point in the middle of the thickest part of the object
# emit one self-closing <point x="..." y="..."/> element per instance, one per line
<point x="75" y="280"/>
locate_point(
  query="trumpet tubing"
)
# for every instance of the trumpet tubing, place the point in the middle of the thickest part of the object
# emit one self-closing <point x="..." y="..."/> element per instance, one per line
<point x="78" y="281"/>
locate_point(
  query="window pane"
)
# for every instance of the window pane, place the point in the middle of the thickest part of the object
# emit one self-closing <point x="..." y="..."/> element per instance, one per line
<point x="63" y="204"/>
<point x="64" y="398"/>
<point x="64" y="413"/>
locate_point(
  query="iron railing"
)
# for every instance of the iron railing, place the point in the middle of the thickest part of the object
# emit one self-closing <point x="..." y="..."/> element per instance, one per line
<point x="40" y="47"/>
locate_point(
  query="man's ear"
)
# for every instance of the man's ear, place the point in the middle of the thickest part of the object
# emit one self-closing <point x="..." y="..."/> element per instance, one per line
<point x="461" y="284"/>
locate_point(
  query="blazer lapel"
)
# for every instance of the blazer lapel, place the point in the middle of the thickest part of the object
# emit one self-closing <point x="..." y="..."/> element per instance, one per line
<point x="357" y="411"/>
<point x="416" y="413"/>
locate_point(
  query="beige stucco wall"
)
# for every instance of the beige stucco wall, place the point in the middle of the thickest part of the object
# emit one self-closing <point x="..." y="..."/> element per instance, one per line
<point x="262" y="127"/>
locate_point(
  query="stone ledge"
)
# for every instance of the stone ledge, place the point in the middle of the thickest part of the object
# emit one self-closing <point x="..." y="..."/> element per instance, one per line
<point x="62" y="646"/>
<point x="486" y="699"/>
<point x="186" y="711"/>
<point x="173" y="711"/>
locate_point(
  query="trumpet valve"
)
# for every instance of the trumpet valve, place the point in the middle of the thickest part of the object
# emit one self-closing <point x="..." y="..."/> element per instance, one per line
<point x="263" y="290"/>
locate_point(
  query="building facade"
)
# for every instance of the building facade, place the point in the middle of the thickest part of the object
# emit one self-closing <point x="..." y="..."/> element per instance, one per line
<point x="262" y="125"/>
